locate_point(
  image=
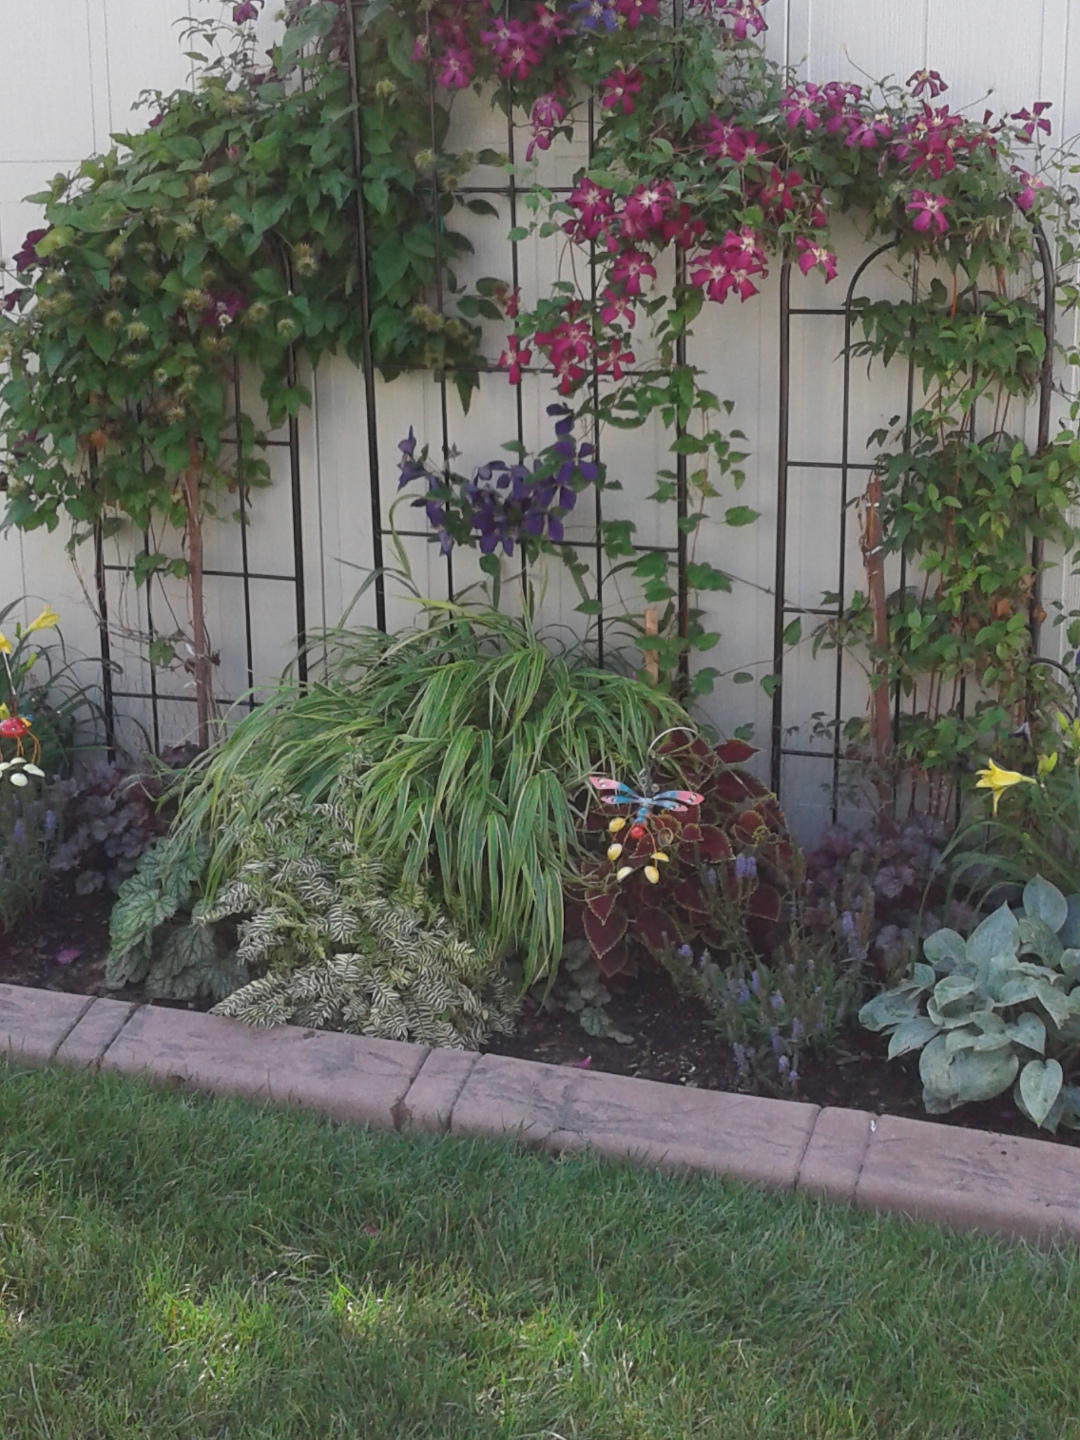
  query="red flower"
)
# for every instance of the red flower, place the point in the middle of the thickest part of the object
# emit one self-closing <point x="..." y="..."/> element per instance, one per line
<point x="617" y="308"/>
<point x="722" y="141"/>
<point x="630" y="267"/>
<point x="455" y="68"/>
<point x="513" y="357"/>
<point x="632" y="11"/>
<point x="681" y="228"/>
<point x="1032" y="118"/>
<point x="928" y="211"/>
<point x="798" y="107"/>
<point x="619" y="88"/>
<point x="778" y="192"/>
<point x="812" y="254"/>
<point x="613" y="359"/>
<point x="927" y="80"/>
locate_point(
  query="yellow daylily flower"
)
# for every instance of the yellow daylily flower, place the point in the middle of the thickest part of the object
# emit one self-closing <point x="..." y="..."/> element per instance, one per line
<point x="47" y="620"/>
<point x="998" y="780"/>
<point x="5" y="644"/>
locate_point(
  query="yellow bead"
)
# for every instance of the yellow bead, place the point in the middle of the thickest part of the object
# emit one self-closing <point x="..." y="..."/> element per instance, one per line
<point x="626" y="870"/>
<point x="614" y="851"/>
<point x="652" y="874"/>
<point x="614" y="826"/>
<point x="659" y="855"/>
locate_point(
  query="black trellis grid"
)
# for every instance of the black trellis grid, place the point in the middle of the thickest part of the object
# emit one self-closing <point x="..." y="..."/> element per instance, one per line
<point x="782" y="609"/>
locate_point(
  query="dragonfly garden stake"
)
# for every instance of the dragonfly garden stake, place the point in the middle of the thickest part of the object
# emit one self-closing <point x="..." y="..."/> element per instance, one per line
<point x="648" y="806"/>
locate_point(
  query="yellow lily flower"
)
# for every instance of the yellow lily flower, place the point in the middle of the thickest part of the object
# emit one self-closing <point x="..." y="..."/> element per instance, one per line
<point x="5" y="644"/>
<point x="47" y="620"/>
<point x="998" y="780"/>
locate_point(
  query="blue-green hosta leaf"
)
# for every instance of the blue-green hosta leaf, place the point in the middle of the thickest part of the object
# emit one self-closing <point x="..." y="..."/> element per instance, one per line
<point x="1070" y="964"/>
<point x="989" y="1023"/>
<point x="962" y="1038"/>
<point x="1018" y="989"/>
<point x="1055" y="1002"/>
<point x="1037" y="938"/>
<point x="999" y="970"/>
<point x="923" y="976"/>
<point x="964" y="1077"/>
<point x="892" y="1007"/>
<point x="953" y="988"/>
<point x="997" y="935"/>
<point x="944" y="949"/>
<point x="1040" y="1083"/>
<point x="1069" y="934"/>
<point x="1069" y="1100"/>
<point x="960" y="1012"/>
<point x="1047" y="902"/>
<point x="1028" y="1030"/>
<point x="911" y="1035"/>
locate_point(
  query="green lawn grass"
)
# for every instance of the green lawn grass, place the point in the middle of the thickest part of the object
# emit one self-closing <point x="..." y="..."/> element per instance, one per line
<point x="172" y="1266"/>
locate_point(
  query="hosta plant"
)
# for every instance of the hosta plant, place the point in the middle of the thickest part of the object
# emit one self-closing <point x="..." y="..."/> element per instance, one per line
<point x="727" y="865"/>
<point x="999" y="1009"/>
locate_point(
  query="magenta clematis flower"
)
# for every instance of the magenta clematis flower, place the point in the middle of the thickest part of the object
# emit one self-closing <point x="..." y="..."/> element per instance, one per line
<point x="547" y="113"/>
<point x="866" y="130"/>
<point x="797" y="106"/>
<point x="634" y="11"/>
<point x="517" y="46"/>
<point x="617" y="308"/>
<point x="682" y="228"/>
<point x="928" y="210"/>
<point x="745" y="248"/>
<point x="723" y="141"/>
<point x="728" y="268"/>
<point x="11" y="299"/>
<point x="619" y="89"/>
<point x="613" y="360"/>
<point x="551" y="26"/>
<point x="926" y="80"/>
<point x="743" y="17"/>
<point x="1029" y="185"/>
<point x="595" y="211"/>
<point x="514" y="357"/>
<point x="455" y="68"/>
<point x="778" y="192"/>
<point x="1033" y="119"/>
<point x="27" y="257"/>
<point x="223" y="308"/>
<point x="630" y="268"/>
<point x="649" y="204"/>
<point x="246" y="10"/>
<point x="812" y="254"/>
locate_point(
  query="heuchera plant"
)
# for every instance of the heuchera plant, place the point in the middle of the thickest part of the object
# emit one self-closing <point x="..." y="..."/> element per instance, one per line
<point x="729" y="863"/>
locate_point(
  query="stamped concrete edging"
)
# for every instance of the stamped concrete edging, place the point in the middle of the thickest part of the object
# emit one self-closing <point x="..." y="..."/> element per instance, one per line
<point x="967" y="1179"/>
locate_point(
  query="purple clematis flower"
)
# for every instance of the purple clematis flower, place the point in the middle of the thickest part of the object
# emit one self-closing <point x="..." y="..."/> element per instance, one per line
<point x="27" y="257"/>
<point x="246" y="10"/>
<point x="595" y="13"/>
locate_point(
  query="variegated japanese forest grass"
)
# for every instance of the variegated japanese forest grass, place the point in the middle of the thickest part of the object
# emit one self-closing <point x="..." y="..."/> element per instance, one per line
<point x="472" y="738"/>
<point x="177" y="1268"/>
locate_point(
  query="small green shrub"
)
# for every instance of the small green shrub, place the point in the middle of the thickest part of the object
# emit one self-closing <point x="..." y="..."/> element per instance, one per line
<point x="307" y="929"/>
<point x="1001" y="1007"/>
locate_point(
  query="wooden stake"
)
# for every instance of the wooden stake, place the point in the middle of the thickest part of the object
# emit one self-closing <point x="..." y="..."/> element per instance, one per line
<point x="651" y="658"/>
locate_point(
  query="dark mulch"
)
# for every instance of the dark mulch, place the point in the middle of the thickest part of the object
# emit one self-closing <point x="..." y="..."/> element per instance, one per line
<point x="673" y="1038"/>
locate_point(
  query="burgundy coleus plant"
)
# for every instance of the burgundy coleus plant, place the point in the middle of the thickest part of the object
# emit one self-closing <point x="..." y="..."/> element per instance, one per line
<point x="733" y="848"/>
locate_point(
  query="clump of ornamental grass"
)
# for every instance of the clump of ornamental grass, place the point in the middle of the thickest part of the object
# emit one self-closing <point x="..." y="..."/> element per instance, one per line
<point x="474" y="741"/>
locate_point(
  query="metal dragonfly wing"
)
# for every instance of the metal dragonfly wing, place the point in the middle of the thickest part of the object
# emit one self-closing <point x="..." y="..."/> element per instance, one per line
<point x="614" y="792"/>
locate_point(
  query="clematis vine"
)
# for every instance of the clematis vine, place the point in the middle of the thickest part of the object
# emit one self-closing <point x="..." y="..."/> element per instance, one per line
<point x="619" y="89"/>
<point x="812" y="255"/>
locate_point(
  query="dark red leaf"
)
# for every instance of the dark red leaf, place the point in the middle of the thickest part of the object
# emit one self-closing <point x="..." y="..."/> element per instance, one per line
<point x="747" y="826"/>
<point x="615" y="961"/>
<point x="714" y="845"/>
<point x="689" y="894"/>
<point x="764" y="903"/>
<point x="604" y="935"/>
<point x="655" y="929"/>
<point x="601" y="903"/>
<point x="735" y="752"/>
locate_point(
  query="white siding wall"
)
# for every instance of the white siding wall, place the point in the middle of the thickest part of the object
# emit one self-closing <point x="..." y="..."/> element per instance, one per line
<point x="69" y="73"/>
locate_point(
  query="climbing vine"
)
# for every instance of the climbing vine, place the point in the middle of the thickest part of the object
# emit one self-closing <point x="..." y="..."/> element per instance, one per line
<point x="230" y="231"/>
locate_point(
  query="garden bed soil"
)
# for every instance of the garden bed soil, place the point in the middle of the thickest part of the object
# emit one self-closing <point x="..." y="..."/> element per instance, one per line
<point x="63" y="945"/>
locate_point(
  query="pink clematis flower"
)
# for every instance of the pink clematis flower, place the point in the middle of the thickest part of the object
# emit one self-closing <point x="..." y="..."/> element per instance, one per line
<point x="923" y="80"/>
<point x="681" y="228"/>
<point x="617" y="308"/>
<point x="1033" y="119"/>
<point x="634" y="11"/>
<point x="778" y="192"/>
<point x="723" y="141"/>
<point x="595" y="211"/>
<point x="928" y="210"/>
<point x="648" y="204"/>
<point x="1029" y="185"/>
<point x="550" y="26"/>
<point x="630" y="268"/>
<point x="613" y="359"/>
<point x="455" y="68"/>
<point x="811" y="255"/>
<point x="514" y="357"/>
<point x="247" y="10"/>
<point x="619" y="89"/>
<point x="797" y="106"/>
